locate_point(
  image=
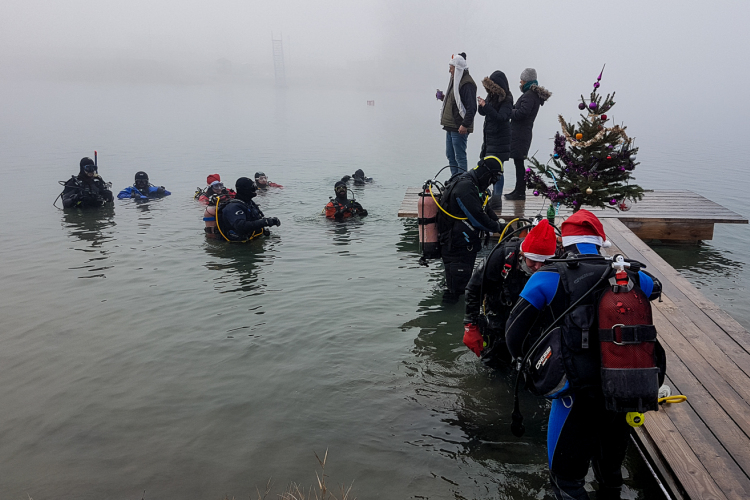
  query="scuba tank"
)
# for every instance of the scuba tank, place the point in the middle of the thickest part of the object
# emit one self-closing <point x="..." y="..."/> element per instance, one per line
<point x="427" y="220"/>
<point x="209" y="218"/>
<point x="629" y="348"/>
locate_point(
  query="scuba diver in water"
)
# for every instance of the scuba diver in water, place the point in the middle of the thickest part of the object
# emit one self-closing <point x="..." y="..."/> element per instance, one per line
<point x="463" y="221"/>
<point x="142" y="189"/>
<point x="214" y="187"/>
<point x="88" y="189"/>
<point x="585" y="424"/>
<point x="262" y="182"/>
<point x="359" y="178"/>
<point x="341" y="207"/>
<point x="497" y="283"/>
<point x="240" y="219"/>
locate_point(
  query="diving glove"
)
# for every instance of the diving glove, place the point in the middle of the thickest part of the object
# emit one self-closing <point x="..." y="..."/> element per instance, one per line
<point x="473" y="339"/>
<point x="273" y="221"/>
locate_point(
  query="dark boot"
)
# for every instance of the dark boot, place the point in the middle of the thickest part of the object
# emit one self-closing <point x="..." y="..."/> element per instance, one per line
<point x="519" y="192"/>
<point x="515" y="195"/>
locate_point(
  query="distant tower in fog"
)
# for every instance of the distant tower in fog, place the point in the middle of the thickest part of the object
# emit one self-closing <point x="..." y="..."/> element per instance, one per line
<point x="278" y="61"/>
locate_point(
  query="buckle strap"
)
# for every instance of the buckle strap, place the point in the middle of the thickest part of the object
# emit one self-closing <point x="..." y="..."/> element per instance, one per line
<point x="628" y="334"/>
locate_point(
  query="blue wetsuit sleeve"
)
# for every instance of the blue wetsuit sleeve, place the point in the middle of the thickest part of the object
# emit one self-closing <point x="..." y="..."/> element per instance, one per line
<point x="647" y="283"/>
<point x="540" y="289"/>
<point x="125" y="193"/>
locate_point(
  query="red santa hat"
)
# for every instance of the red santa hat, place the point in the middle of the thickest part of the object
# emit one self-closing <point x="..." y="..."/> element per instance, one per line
<point x="583" y="227"/>
<point x="541" y="242"/>
<point x="213" y="178"/>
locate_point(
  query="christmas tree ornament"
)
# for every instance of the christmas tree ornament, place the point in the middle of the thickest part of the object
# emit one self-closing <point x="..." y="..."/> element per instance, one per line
<point x="632" y="157"/>
<point x="625" y="205"/>
<point x="599" y="78"/>
<point x="622" y="169"/>
<point x="575" y="203"/>
<point x="589" y="190"/>
<point x="613" y="202"/>
<point x="593" y="105"/>
<point x="536" y="193"/>
<point x="579" y="136"/>
<point x="604" y="118"/>
<point x="596" y="85"/>
<point x="581" y="106"/>
<point x="609" y="157"/>
<point x="556" y="155"/>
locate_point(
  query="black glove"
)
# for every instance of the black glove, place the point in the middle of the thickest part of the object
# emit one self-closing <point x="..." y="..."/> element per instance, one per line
<point x="498" y="227"/>
<point x="272" y="221"/>
<point x="160" y="191"/>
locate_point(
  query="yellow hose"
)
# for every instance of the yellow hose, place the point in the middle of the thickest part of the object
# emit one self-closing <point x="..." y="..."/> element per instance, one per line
<point x="441" y="208"/>
<point x="506" y="228"/>
<point x="677" y="398"/>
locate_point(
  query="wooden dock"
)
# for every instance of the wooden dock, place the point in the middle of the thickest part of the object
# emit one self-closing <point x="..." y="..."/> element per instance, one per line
<point x="668" y="215"/>
<point x="700" y="448"/>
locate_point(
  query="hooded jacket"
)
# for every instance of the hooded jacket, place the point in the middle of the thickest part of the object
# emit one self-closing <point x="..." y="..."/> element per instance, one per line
<point x="522" y="119"/>
<point x="497" y="110"/>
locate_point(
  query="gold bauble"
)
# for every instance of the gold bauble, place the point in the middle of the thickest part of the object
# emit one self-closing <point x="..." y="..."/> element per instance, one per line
<point x="589" y="191"/>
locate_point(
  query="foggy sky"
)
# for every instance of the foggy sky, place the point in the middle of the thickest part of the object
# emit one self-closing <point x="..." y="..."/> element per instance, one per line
<point x="683" y="47"/>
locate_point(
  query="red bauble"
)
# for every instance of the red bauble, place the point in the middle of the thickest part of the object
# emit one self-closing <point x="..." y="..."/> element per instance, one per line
<point x="609" y="157"/>
<point x="604" y="118"/>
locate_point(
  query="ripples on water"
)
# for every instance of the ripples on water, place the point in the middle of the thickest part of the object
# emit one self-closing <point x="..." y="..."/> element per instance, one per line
<point x="139" y="356"/>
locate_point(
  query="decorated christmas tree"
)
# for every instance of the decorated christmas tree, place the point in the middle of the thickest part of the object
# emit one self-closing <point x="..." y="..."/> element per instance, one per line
<point x="592" y="163"/>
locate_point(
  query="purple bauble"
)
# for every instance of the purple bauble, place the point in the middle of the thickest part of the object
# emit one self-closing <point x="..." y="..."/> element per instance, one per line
<point x="536" y="193"/>
<point x="581" y="106"/>
<point x="613" y="202"/>
<point x="592" y="105"/>
<point x="622" y="169"/>
<point x="596" y="85"/>
<point x="528" y="170"/>
<point x="575" y="203"/>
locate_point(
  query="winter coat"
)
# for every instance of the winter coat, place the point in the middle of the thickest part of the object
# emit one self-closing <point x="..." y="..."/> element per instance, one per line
<point x="497" y="110"/>
<point x="450" y="118"/>
<point x="522" y="119"/>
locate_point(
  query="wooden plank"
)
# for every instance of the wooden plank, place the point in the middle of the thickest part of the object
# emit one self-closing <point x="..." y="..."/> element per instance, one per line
<point x="686" y="466"/>
<point x="681" y="231"/>
<point x="659" y="462"/>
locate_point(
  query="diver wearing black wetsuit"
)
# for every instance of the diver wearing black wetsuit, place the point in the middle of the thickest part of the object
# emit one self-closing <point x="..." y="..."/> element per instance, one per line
<point x="240" y="219"/>
<point x="88" y="189"/>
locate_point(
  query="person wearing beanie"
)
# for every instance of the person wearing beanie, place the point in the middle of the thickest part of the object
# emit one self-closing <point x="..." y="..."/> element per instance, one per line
<point x="239" y="219"/>
<point x="88" y="189"/>
<point x="457" y="116"/>
<point x="262" y="182"/>
<point x="462" y="222"/>
<point x="497" y="283"/>
<point x="521" y="124"/>
<point x="214" y="189"/>
<point x="142" y="189"/>
<point x="341" y="207"/>
<point x="581" y="430"/>
<point x="496" y="110"/>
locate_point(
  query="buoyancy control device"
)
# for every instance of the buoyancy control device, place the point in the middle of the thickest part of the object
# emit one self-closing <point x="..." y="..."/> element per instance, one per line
<point x="611" y="334"/>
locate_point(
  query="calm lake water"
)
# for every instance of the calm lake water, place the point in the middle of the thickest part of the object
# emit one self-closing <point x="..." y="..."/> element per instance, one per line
<point x="138" y="356"/>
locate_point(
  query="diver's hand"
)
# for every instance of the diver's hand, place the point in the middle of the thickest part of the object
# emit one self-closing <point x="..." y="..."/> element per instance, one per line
<point x="160" y="191"/>
<point x="473" y="339"/>
<point x="272" y="221"/>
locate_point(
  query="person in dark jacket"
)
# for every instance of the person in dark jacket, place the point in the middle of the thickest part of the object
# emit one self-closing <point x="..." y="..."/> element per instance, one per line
<point x="461" y="233"/>
<point x="521" y="124"/>
<point x="496" y="110"/>
<point x="142" y="189"/>
<point x="341" y="207"/>
<point x="459" y="108"/>
<point x="495" y="287"/>
<point x="240" y="219"/>
<point x="88" y="189"/>
<point x="581" y="430"/>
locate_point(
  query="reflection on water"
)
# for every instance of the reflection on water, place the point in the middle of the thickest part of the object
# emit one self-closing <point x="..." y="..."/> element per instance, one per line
<point x="95" y="227"/>
<point x="235" y="267"/>
<point x="702" y="264"/>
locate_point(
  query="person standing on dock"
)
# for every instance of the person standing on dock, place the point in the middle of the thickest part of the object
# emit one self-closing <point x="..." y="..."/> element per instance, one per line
<point x="497" y="283"/>
<point x="459" y="108"/>
<point x="462" y="222"/>
<point x="496" y="110"/>
<point x="581" y="429"/>
<point x="521" y="124"/>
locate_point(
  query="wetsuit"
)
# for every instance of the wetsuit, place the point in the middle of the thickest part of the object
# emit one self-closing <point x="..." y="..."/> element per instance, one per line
<point x="343" y="208"/>
<point x="580" y="429"/>
<point x="460" y="240"/>
<point x="242" y="220"/>
<point x="500" y="279"/>
<point x="134" y="192"/>
<point x="84" y="191"/>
